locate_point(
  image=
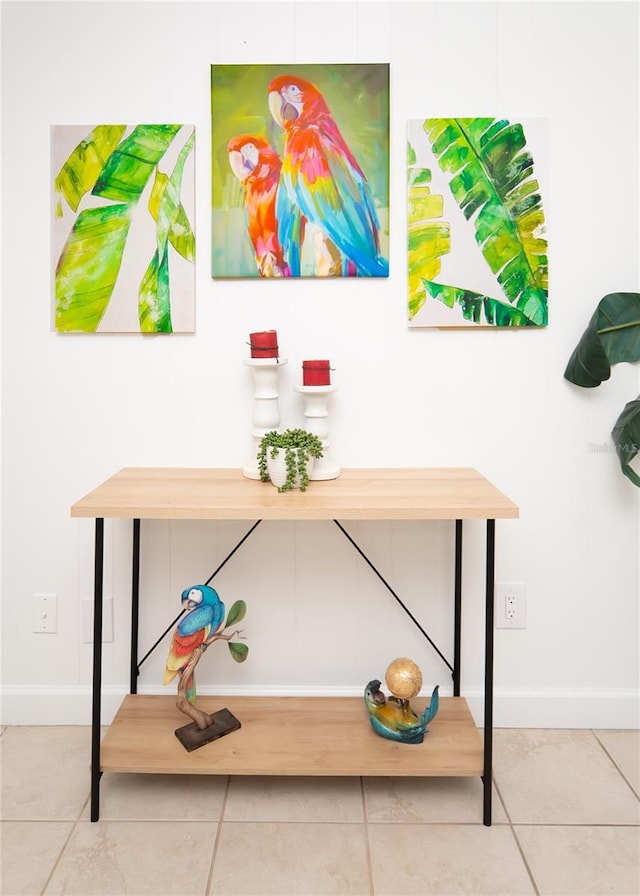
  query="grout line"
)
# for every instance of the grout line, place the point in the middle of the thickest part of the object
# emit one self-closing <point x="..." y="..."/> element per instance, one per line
<point x="574" y="824"/>
<point x="515" y="837"/>
<point x="524" y="860"/>
<point x="216" y="842"/>
<point x="616" y="766"/>
<point x="72" y="830"/>
<point x="367" y="845"/>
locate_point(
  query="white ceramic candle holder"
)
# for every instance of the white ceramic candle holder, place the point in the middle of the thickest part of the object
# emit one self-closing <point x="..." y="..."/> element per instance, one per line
<point x="266" y="405"/>
<point x="317" y="421"/>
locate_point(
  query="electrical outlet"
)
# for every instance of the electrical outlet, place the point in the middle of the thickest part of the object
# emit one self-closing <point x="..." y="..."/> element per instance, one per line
<point x="511" y="605"/>
<point x="45" y="613"/>
<point x="87" y="620"/>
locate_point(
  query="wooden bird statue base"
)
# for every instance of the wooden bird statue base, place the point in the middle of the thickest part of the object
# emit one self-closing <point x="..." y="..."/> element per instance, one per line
<point x="192" y="738"/>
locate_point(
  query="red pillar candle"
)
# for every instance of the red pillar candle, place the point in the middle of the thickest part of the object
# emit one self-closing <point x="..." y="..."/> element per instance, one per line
<point x="316" y="373"/>
<point x="264" y="345"/>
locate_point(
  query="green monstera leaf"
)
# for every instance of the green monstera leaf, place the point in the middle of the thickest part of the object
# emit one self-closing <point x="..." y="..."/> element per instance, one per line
<point x="612" y="337"/>
<point x="491" y="179"/>
<point x="626" y="438"/>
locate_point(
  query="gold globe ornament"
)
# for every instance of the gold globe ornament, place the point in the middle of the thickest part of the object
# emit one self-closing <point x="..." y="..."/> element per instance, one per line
<point x="403" y="678"/>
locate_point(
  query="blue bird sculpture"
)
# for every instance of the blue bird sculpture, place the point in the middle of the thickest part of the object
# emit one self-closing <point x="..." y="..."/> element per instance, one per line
<point x="394" y="718"/>
<point x="205" y="616"/>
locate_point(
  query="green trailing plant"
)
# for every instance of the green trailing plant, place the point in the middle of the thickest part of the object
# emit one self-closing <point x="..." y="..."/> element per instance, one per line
<point x="612" y="336"/>
<point x="299" y="446"/>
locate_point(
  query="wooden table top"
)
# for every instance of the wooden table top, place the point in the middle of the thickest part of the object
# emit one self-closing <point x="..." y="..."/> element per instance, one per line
<point x="363" y="494"/>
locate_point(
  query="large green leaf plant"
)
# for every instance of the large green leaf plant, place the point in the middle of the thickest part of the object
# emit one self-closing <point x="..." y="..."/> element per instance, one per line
<point x="491" y="178"/>
<point x="612" y="336"/>
<point x="116" y="170"/>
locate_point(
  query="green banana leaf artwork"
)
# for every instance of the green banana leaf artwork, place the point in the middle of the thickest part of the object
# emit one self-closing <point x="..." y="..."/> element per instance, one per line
<point x="477" y="248"/>
<point x="124" y="242"/>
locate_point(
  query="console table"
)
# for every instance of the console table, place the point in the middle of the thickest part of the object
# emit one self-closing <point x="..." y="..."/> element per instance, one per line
<point x="323" y="736"/>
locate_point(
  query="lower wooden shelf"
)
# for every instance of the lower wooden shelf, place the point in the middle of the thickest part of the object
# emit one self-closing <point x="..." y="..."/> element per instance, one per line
<point x="290" y="736"/>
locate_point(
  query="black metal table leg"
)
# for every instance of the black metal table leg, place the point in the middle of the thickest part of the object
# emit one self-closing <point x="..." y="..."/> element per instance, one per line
<point x="135" y="607"/>
<point x="488" y="673"/>
<point x="97" y="669"/>
<point x="457" y="617"/>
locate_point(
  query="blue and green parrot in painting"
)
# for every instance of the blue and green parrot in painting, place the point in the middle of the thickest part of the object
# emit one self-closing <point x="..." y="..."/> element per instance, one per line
<point x="323" y="187"/>
<point x="205" y="615"/>
<point x="394" y="718"/>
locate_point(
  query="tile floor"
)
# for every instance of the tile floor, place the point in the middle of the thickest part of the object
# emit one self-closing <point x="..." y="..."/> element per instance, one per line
<point x="566" y="823"/>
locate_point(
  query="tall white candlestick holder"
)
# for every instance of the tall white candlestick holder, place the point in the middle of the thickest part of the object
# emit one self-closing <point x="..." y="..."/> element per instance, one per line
<point x="266" y="405"/>
<point x="317" y="422"/>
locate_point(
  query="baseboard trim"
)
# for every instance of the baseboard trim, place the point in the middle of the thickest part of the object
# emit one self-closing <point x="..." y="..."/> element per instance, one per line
<point x="551" y="708"/>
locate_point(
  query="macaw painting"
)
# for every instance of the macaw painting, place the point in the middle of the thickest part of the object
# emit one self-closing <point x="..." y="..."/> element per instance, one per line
<point x="123" y="233"/>
<point x="477" y="248"/>
<point x="300" y="170"/>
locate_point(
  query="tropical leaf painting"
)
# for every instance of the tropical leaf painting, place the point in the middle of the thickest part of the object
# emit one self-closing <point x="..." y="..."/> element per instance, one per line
<point x="124" y="241"/>
<point x="477" y="248"/>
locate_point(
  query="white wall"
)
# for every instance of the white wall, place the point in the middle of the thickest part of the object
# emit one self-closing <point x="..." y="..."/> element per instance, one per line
<point x="78" y="408"/>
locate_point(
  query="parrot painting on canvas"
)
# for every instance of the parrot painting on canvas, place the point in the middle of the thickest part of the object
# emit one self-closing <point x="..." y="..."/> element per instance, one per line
<point x="323" y="194"/>
<point x="257" y="166"/>
<point x="205" y="615"/>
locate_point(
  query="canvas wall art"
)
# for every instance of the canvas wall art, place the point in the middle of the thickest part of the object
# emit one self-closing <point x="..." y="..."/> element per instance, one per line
<point x="300" y="170"/>
<point x="124" y="240"/>
<point x="477" y="245"/>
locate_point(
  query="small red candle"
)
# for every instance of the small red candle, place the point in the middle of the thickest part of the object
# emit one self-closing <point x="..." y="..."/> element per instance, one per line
<point x="316" y="373"/>
<point x="264" y="344"/>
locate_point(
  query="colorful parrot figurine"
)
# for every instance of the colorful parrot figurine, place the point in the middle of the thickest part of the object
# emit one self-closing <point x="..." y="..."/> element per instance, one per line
<point x="322" y="184"/>
<point x="257" y="167"/>
<point x="394" y="718"/>
<point x="205" y="616"/>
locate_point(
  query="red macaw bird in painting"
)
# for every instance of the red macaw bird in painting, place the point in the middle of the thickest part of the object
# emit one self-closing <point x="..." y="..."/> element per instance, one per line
<point x="257" y="167"/>
<point x="322" y="184"/>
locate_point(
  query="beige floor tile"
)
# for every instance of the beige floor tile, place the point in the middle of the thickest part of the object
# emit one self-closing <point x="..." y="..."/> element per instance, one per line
<point x="30" y="850"/>
<point x="284" y="859"/>
<point x="160" y="797"/>
<point x="446" y="860"/>
<point x="583" y="861"/>
<point x="121" y="857"/>
<point x="294" y="799"/>
<point x="624" y="749"/>
<point x="560" y="777"/>
<point x="444" y="800"/>
<point x="45" y="772"/>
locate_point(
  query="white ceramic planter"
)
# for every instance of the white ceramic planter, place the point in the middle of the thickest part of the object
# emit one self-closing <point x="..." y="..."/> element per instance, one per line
<point x="277" y="468"/>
